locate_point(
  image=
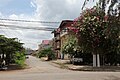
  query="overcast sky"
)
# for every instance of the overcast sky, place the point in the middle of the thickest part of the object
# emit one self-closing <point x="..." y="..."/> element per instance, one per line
<point x="45" y="10"/>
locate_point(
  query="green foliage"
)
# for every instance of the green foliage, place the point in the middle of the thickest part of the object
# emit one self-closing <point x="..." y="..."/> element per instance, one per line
<point x="112" y="58"/>
<point x="19" y="59"/>
<point x="9" y="47"/>
<point x="98" y="33"/>
<point x="47" y="53"/>
<point x="42" y="54"/>
<point x="70" y="46"/>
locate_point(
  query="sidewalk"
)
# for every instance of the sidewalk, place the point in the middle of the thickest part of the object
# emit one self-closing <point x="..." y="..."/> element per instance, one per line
<point x="66" y="65"/>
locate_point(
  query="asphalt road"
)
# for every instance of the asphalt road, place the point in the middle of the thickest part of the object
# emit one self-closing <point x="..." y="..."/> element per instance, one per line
<point x="39" y="70"/>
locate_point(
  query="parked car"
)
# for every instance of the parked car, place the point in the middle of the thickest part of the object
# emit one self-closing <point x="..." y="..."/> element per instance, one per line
<point x="81" y="58"/>
<point x="77" y="60"/>
<point x="27" y="57"/>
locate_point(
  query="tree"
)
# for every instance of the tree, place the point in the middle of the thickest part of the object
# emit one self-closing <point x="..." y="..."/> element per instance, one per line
<point x="104" y="3"/>
<point x="9" y="47"/>
<point x="70" y="46"/>
<point x="19" y="58"/>
<point x="97" y="31"/>
<point x="48" y="52"/>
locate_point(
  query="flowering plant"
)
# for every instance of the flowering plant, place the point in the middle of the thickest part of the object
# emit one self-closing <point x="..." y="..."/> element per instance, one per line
<point x="95" y="30"/>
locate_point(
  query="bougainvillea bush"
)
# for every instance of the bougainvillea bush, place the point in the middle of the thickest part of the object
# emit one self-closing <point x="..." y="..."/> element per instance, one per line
<point x="98" y="33"/>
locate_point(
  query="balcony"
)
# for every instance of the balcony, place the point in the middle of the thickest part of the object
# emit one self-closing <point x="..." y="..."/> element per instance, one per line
<point x="58" y="46"/>
<point x="63" y="33"/>
<point x="57" y="38"/>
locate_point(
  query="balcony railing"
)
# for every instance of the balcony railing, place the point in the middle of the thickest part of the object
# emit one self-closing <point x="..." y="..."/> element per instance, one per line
<point x="63" y="33"/>
<point x="57" y="38"/>
<point x="58" y="46"/>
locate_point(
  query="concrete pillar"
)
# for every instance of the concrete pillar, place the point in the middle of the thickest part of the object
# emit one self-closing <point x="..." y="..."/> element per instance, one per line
<point x="94" y="60"/>
<point x="98" y="60"/>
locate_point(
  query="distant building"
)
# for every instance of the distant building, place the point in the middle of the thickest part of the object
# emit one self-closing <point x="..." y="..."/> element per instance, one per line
<point x="29" y="51"/>
<point x="44" y="45"/>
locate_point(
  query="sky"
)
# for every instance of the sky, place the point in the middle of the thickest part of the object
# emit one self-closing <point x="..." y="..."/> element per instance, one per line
<point x="45" y="10"/>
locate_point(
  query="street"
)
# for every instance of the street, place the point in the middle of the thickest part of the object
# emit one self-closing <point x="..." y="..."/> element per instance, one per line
<point x="41" y="70"/>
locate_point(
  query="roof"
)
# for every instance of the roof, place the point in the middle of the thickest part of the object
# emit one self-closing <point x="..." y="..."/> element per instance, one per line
<point x="45" y="41"/>
<point x="66" y="23"/>
<point x="69" y="25"/>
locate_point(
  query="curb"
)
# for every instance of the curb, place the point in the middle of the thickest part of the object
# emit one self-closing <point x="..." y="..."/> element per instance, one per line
<point x="86" y="68"/>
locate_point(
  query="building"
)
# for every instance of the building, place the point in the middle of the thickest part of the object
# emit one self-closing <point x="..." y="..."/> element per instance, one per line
<point x="56" y="40"/>
<point x="44" y="45"/>
<point x="64" y="34"/>
<point x="61" y="36"/>
<point x="29" y="51"/>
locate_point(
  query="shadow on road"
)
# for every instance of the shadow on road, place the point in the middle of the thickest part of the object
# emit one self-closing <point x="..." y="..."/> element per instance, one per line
<point x="12" y="67"/>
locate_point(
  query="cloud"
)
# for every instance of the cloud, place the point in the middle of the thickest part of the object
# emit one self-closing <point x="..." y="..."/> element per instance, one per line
<point x="72" y="1"/>
<point x="13" y="16"/>
<point x="29" y="37"/>
<point x="32" y="4"/>
<point x="57" y="10"/>
<point x="47" y="10"/>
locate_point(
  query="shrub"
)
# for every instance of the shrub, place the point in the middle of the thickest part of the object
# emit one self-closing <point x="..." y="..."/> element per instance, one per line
<point x="19" y="59"/>
<point x="48" y="52"/>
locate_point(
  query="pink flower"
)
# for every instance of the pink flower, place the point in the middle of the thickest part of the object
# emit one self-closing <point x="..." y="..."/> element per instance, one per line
<point x="73" y="29"/>
<point x="105" y="18"/>
<point x="76" y="21"/>
<point x="98" y="19"/>
<point x="80" y="18"/>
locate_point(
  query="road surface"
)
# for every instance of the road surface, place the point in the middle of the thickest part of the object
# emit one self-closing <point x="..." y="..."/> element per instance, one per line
<point x="45" y="71"/>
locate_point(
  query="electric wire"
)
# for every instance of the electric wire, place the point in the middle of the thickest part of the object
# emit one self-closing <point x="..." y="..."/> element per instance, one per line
<point x="34" y="28"/>
<point x="4" y="31"/>
<point x="29" y="21"/>
<point x="13" y="33"/>
<point x="16" y="27"/>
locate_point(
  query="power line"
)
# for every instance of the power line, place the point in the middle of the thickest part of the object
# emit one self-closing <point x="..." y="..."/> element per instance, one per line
<point x="13" y="33"/>
<point x="34" y="28"/>
<point x="29" y="21"/>
<point x="15" y="23"/>
<point x="4" y="31"/>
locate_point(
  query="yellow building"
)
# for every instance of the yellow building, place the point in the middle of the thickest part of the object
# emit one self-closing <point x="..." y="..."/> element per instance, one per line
<point x="56" y="45"/>
<point x="64" y="34"/>
<point x="61" y="36"/>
